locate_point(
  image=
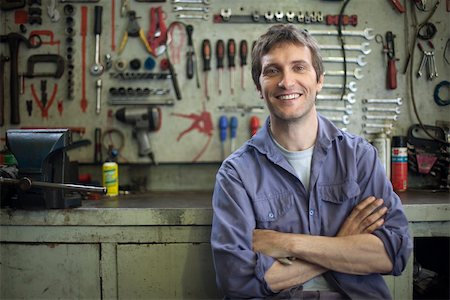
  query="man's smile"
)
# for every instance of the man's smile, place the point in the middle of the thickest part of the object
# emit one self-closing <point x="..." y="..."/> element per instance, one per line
<point x="289" y="96"/>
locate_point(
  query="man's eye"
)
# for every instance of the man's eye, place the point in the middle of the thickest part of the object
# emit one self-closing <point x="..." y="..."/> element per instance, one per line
<point x="299" y="68"/>
<point x="270" y="71"/>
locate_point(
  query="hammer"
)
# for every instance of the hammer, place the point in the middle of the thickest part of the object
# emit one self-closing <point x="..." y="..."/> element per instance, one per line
<point x="14" y="39"/>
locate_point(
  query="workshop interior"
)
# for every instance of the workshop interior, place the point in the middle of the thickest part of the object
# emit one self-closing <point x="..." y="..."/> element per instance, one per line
<point x="115" y="116"/>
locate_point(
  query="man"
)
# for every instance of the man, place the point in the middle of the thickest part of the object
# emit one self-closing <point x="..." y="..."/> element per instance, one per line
<point x="303" y="209"/>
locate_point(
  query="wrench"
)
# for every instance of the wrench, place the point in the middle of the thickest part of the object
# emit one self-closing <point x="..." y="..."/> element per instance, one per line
<point x="364" y="47"/>
<point x="347" y="109"/>
<point x="397" y="101"/>
<point x="367" y="33"/>
<point x="192" y="1"/>
<point x="380" y="117"/>
<point x="395" y="110"/>
<point x="357" y="60"/>
<point x="185" y="8"/>
<point x="376" y="131"/>
<point x="350" y="97"/>
<point x="198" y="17"/>
<point x="376" y="125"/>
<point x="357" y="73"/>
<point x="97" y="68"/>
<point x="345" y="119"/>
<point x="351" y="86"/>
<point x="99" y="96"/>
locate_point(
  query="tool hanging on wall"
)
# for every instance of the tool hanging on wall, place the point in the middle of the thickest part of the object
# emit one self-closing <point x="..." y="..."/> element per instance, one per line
<point x="191" y="57"/>
<point x="3" y="60"/>
<point x="243" y="52"/>
<point x="14" y="40"/>
<point x="97" y="68"/>
<point x="220" y="53"/>
<point x="231" y="53"/>
<point x="389" y="49"/>
<point x="206" y="55"/>
<point x="157" y="34"/>
<point x="83" y="32"/>
<point x="134" y="30"/>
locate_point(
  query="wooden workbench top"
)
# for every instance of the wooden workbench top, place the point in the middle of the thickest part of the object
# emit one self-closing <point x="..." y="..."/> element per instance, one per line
<point x="184" y="208"/>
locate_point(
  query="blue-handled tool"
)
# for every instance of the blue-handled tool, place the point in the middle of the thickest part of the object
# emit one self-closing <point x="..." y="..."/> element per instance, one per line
<point x="233" y="132"/>
<point x="223" y="127"/>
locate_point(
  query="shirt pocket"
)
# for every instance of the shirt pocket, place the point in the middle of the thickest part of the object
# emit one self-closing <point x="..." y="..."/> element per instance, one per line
<point x="272" y="208"/>
<point x="338" y="192"/>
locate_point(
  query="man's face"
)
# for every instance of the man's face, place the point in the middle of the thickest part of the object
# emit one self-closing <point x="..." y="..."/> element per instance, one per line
<point x="289" y="82"/>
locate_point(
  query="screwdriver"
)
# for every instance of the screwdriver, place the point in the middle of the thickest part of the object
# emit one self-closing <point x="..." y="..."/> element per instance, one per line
<point x="231" y="47"/>
<point x="223" y="126"/>
<point x="220" y="52"/>
<point x="190" y="53"/>
<point x="233" y="132"/>
<point x="243" y="51"/>
<point x="254" y="125"/>
<point x="206" y="55"/>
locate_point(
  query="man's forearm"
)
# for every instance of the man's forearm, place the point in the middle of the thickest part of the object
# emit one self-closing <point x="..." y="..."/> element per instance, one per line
<point x="356" y="254"/>
<point x="280" y="276"/>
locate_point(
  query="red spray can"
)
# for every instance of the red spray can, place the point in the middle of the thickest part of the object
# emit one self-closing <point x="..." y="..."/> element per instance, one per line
<point x="399" y="161"/>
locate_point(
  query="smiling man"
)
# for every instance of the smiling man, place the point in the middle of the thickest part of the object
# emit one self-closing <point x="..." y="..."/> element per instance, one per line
<point x="303" y="209"/>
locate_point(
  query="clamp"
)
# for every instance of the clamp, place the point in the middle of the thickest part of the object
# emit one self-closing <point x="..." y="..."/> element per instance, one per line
<point x="134" y="30"/>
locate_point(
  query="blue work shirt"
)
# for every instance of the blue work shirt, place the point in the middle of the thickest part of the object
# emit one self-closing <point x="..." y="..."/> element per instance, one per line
<point x="256" y="187"/>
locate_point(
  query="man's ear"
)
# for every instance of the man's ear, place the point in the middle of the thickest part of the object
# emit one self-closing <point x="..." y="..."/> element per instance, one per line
<point x="320" y="83"/>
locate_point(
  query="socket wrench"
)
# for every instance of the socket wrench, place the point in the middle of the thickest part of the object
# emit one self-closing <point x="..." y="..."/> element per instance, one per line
<point x="97" y="68"/>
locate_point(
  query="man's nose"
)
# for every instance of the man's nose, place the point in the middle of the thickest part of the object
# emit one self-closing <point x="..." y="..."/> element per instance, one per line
<point x="287" y="80"/>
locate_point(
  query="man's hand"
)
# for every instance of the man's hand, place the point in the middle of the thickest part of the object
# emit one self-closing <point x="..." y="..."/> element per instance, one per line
<point x="365" y="217"/>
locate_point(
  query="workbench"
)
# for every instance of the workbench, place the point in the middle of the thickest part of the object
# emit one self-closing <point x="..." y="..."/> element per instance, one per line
<point x="152" y="245"/>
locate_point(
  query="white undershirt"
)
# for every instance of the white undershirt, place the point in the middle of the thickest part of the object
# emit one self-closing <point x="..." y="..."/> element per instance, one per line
<point x="301" y="162"/>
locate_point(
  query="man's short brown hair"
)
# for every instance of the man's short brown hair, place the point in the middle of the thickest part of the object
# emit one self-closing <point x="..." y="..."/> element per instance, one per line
<point x="284" y="34"/>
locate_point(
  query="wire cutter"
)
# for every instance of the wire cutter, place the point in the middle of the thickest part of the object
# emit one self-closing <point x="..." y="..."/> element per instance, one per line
<point x="134" y="30"/>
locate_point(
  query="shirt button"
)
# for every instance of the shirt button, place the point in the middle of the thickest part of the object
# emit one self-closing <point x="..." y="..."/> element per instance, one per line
<point x="311" y="212"/>
<point x="271" y="215"/>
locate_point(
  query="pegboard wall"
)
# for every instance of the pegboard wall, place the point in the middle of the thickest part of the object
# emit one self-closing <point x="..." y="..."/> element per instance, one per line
<point x="189" y="130"/>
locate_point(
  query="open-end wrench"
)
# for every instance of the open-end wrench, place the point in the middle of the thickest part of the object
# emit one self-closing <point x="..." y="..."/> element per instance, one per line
<point x="345" y="119"/>
<point x="186" y="8"/>
<point x="377" y="131"/>
<point x="97" y="68"/>
<point x="395" y="110"/>
<point x="397" y="101"/>
<point x="364" y="47"/>
<point x="198" y="17"/>
<point x="347" y="109"/>
<point x="360" y="60"/>
<point x="351" y="86"/>
<point x="350" y="97"/>
<point x="357" y="73"/>
<point x="380" y="117"/>
<point x="191" y="1"/>
<point x="378" y="125"/>
<point x="367" y="33"/>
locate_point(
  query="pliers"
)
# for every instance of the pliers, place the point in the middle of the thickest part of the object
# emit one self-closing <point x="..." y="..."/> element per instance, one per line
<point x="134" y="30"/>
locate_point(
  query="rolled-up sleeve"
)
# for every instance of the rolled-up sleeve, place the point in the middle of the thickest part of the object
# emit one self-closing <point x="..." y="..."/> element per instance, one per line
<point x="239" y="270"/>
<point x="394" y="233"/>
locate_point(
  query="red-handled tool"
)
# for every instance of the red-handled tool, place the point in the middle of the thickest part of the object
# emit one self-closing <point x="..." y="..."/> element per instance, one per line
<point x="391" y="75"/>
<point x="243" y="52"/>
<point x="220" y="53"/>
<point x="254" y="125"/>
<point x="398" y="6"/>
<point x="206" y="55"/>
<point x="231" y="52"/>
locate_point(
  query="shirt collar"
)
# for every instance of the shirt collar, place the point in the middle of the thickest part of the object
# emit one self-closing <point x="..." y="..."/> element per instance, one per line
<point x="263" y="142"/>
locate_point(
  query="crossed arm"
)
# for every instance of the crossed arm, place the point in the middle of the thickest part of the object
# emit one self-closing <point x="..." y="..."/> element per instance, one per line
<point x="353" y="250"/>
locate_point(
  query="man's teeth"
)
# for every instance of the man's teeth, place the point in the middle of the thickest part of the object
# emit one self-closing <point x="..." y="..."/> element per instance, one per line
<point x="288" y="97"/>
